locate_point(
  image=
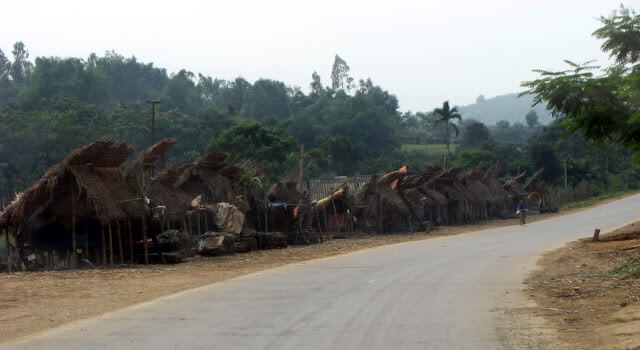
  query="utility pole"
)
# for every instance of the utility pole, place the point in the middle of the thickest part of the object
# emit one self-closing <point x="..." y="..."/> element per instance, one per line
<point x="301" y="171"/>
<point x="153" y="104"/>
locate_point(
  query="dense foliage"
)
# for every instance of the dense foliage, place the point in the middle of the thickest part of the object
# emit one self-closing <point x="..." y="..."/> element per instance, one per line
<point x="51" y="105"/>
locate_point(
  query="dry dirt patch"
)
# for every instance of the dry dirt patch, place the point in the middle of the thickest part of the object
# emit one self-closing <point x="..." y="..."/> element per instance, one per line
<point x="589" y="292"/>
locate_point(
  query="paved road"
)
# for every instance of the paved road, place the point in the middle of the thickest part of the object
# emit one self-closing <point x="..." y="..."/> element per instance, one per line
<point x="445" y="293"/>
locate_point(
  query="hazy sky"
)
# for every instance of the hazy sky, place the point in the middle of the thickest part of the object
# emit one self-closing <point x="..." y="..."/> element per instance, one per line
<point x="425" y="52"/>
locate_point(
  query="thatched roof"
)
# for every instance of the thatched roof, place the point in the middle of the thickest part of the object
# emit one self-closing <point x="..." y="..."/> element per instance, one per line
<point x="377" y="191"/>
<point x="148" y="157"/>
<point x="436" y="196"/>
<point x="206" y="171"/>
<point x="286" y="191"/>
<point x="163" y="192"/>
<point x="92" y="172"/>
<point x="532" y="180"/>
<point x="490" y="179"/>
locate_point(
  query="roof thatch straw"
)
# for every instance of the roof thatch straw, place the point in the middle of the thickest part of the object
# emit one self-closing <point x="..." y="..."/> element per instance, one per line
<point x="436" y="196"/>
<point x="148" y="157"/>
<point x="203" y="177"/>
<point x="286" y="191"/>
<point x="532" y="181"/>
<point x="94" y="170"/>
<point x="162" y="191"/>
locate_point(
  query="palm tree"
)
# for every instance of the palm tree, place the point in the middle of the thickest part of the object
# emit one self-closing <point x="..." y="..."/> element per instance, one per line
<point x="445" y="115"/>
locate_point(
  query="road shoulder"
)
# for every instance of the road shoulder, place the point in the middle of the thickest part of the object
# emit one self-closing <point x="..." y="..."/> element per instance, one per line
<point x="588" y="292"/>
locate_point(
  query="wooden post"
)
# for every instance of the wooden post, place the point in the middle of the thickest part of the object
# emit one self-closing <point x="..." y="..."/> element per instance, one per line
<point x="206" y="221"/>
<point x="74" y="241"/>
<point x="266" y="218"/>
<point x="335" y="213"/>
<point x="184" y="224"/>
<point x="190" y="224"/>
<point x="198" y="219"/>
<point x="86" y="241"/>
<point x="596" y="236"/>
<point x="144" y="238"/>
<point x="301" y="172"/>
<point x="6" y="237"/>
<point x="110" y="245"/>
<point x="104" y="247"/>
<point x="120" y="250"/>
<point x="133" y="258"/>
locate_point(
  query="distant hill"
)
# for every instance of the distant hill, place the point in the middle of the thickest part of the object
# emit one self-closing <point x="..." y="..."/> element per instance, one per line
<point x="508" y="107"/>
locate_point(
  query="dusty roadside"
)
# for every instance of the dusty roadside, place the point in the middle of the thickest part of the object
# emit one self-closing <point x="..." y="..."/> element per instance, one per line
<point x="589" y="292"/>
<point x="37" y="301"/>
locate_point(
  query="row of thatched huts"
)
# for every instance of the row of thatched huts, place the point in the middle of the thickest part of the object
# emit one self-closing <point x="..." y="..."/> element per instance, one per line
<point x="95" y="208"/>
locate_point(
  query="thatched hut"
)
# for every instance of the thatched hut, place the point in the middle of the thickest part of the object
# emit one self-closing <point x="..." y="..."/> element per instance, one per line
<point x="335" y="199"/>
<point x="168" y="204"/>
<point x="286" y="207"/>
<point x="382" y="209"/>
<point x="502" y="205"/>
<point x="203" y="178"/>
<point x="71" y="208"/>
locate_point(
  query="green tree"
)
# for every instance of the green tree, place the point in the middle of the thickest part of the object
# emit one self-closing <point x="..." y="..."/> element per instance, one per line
<point x="604" y="104"/>
<point x="21" y="67"/>
<point x="316" y="85"/>
<point x="250" y="139"/>
<point x="532" y="119"/>
<point x="445" y="116"/>
<point x="340" y="79"/>
<point x="474" y="134"/>
<point x="344" y="155"/>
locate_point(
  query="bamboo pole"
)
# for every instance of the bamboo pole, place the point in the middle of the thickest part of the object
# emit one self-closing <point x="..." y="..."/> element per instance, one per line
<point x="74" y="241"/>
<point x="144" y="238"/>
<point x="266" y="219"/>
<point x="133" y="259"/>
<point x="120" y="250"/>
<point x="335" y="214"/>
<point x="104" y="247"/>
<point x="198" y="219"/>
<point x="86" y="240"/>
<point x="6" y="237"/>
<point x="110" y="245"/>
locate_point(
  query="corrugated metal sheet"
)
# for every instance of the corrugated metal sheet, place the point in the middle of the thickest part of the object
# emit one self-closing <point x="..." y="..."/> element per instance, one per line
<point x="323" y="187"/>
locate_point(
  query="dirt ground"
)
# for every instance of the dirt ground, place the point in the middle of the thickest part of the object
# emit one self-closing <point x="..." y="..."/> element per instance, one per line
<point x="586" y="297"/>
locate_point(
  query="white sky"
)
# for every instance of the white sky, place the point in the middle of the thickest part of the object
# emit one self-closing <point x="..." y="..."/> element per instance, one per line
<point x="425" y="52"/>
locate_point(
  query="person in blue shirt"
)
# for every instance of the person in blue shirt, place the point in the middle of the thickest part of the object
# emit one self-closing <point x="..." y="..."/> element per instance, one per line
<point x="522" y="211"/>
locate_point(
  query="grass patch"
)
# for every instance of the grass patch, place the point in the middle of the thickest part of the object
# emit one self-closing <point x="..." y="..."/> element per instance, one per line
<point x="628" y="270"/>
<point x="594" y="200"/>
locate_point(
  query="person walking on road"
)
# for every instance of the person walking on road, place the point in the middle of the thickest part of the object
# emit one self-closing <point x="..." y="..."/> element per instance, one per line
<point x="522" y="211"/>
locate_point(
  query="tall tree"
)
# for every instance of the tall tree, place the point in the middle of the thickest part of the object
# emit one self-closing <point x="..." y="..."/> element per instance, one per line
<point x="316" y="85"/>
<point x="605" y="104"/>
<point x="340" y="79"/>
<point x="532" y="119"/>
<point x="21" y="67"/>
<point x="474" y="134"/>
<point x="445" y="116"/>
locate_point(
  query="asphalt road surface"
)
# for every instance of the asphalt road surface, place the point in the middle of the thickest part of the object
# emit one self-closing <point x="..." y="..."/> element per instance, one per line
<point x="444" y="293"/>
